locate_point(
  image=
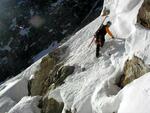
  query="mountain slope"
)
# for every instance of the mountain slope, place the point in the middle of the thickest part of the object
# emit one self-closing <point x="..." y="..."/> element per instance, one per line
<point x="29" y="26"/>
<point x="93" y="86"/>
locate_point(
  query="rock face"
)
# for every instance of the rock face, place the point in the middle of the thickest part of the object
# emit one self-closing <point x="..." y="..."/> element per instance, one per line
<point x="133" y="69"/>
<point x="39" y="84"/>
<point x="29" y="26"/>
<point x="144" y="14"/>
<point x="51" y="106"/>
<point x="51" y="74"/>
<point x="63" y="73"/>
<point x="56" y="78"/>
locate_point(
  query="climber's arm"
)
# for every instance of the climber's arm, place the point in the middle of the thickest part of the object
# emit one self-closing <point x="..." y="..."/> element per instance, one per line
<point x="109" y="32"/>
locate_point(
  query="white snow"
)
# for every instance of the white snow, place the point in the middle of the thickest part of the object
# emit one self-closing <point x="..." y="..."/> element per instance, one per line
<point x="26" y="105"/>
<point x="51" y="30"/>
<point x="135" y="97"/>
<point x="58" y="2"/>
<point x="14" y="23"/>
<point x="7" y="47"/>
<point x="51" y="48"/>
<point x="140" y="48"/>
<point x="94" y="89"/>
<point x="24" y="31"/>
<point x="78" y="89"/>
<point x="6" y="103"/>
<point x="13" y="90"/>
<point x="31" y="12"/>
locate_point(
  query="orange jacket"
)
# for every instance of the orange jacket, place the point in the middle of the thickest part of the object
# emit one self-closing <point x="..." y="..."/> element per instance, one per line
<point x="108" y="31"/>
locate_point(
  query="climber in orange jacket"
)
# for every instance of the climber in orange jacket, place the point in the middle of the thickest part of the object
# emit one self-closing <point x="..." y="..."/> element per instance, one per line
<point x="100" y="36"/>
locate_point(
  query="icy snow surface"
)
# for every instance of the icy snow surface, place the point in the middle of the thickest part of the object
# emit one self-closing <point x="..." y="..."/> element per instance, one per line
<point x="13" y="90"/>
<point x="26" y="105"/>
<point x="94" y="89"/>
<point x="135" y="98"/>
<point x="51" y="48"/>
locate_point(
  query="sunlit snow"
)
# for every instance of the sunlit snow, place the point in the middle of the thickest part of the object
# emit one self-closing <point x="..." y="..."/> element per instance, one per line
<point x="94" y="89"/>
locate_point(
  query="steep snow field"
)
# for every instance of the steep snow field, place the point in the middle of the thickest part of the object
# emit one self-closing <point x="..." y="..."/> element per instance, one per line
<point x="94" y="90"/>
<point x="13" y="90"/>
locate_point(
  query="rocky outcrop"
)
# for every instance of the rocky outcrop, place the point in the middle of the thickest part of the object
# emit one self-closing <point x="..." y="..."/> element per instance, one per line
<point x="133" y="69"/>
<point x="51" y="74"/>
<point x="39" y="84"/>
<point x="144" y="14"/>
<point x="51" y="106"/>
<point x="56" y="78"/>
<point x="63" y="73"/>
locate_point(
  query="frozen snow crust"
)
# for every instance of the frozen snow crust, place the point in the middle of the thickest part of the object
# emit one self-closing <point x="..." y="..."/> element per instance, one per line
<point x="94" y="89"/>
<point x="13" y="90"/>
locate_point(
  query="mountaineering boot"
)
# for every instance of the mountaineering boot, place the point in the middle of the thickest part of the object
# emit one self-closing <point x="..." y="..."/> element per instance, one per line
<point x="98" y="55"/>
<point x="98" y="51"/>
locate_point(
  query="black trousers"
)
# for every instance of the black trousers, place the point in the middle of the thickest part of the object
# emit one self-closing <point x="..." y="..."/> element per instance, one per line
<point x="98" y="46"/>
<point x="97" y="50"/>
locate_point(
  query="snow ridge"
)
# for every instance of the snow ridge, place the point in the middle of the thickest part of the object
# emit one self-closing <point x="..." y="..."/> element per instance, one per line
<point x="95" y="90"/>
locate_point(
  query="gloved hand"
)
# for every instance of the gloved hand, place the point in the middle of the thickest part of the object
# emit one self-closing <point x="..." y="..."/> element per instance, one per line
<point x="113" y="37"/>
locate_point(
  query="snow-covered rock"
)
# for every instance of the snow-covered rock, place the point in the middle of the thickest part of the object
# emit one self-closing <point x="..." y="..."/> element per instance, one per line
<point x="133" y="69"/>
<point x="51" y="106"/>
<point x="13" y="90"/>
<point x="135" y="97"/>
<point x="50" y="71"/>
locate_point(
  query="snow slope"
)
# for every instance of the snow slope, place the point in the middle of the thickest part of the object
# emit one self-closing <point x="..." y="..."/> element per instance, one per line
<point x="135" y="96"/>
<point x="51" y="48"/>
<point x="26" y="105"/>
<point x="94" y="90"/>
<point x="13" y="90"/>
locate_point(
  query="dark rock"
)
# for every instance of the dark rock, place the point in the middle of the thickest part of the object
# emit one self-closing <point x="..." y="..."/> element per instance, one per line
<point x="51" y="106"/>
<point x="51" y="74"/>
<point x="68" y="111"/>
<point x="83" y="69"/>
<point x="63" y="73"/>
<point x="133" y="69"/>
<point x="144" y="14"/>
<point x="40" y="84"/>
<point x="59" y="74"/>
<point x="56" y="77"/>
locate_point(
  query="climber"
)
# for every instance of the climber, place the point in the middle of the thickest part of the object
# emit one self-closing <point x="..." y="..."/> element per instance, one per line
<point x="100" y="36"/>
